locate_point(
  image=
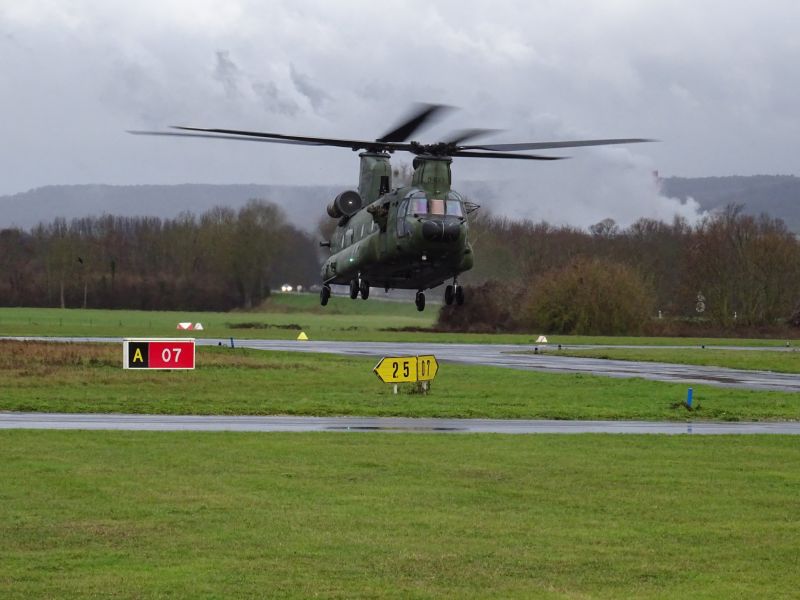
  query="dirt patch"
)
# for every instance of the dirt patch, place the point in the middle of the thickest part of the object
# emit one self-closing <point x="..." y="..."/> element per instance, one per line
<point x="36" y="356"/>
<point x="256" y="325"/>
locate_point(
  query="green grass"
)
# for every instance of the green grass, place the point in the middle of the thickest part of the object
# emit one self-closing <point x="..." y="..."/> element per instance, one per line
<point x="337" y="515"/>
<point x="89" y="378"/>
<point x="781" y="362"/>
<point x="284" y="315"/>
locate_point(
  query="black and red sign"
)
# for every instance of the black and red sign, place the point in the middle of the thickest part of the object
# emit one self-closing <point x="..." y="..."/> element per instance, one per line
<point x="158" y="354"/>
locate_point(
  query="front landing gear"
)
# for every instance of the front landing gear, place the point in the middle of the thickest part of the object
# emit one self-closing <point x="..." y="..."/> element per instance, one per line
<point x="420" y="301"/>
<point x="324" y="294"/>
<point x="449" y="295"/>
<point x="459" y="295"/>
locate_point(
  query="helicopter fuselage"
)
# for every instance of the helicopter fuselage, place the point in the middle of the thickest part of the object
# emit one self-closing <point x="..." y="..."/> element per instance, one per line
<point x="412" y="237"/>
<point x="405" y="239"/>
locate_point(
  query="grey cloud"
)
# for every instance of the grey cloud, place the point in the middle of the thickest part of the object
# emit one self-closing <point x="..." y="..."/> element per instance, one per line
<point x="715" y="81"/>
<point x="228" y="74"/>
<point x="316" y="96"/>
<point x="272" y="99"/>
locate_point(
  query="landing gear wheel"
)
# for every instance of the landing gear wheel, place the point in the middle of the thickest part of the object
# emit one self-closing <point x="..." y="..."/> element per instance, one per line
<point x="459" y="295"/>
<point x="449" y="295"/>
<point x="420" y="301"/>
<point x="364" y="289"/>
<point x="324" y="295"/>
<point x="353" y="289"/>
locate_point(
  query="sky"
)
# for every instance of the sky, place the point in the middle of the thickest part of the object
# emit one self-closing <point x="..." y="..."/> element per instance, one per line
<point x="715" y="82"/>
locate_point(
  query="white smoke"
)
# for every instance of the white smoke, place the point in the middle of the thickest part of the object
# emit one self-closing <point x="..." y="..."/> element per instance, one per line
<point x="617" y="182"/>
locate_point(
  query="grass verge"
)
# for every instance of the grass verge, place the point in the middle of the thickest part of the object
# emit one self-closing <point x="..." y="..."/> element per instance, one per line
<point x="777" y="361"/>
<point x="284" y="315"/>
<point x="54" y="377"/>
<point x="144" y="514"/>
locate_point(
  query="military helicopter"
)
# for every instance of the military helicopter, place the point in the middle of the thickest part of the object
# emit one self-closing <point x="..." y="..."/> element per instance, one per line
<point x="412" y="237"/>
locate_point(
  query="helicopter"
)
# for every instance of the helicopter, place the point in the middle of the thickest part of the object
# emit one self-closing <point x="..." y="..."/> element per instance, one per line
<point x="410" y="237"/>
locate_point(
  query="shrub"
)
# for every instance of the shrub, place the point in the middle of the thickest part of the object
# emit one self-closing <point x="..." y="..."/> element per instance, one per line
<point x="591" y="296"/>
<point x="489" y="307"/>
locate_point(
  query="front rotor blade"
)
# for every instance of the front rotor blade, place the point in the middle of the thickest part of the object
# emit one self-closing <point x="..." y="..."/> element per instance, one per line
<point x="341" y="143"/>
<point x="503" y="155"/>
<point x="545" y="145"/>
<point x="223" y="137"/>
<point x="423" y="114"/>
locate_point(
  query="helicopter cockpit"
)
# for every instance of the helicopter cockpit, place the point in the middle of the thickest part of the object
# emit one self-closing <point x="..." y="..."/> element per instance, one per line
<point x="440" y="218"/>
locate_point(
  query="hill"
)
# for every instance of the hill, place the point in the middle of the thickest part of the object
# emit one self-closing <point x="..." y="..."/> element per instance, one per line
<point x="776" y="195"/>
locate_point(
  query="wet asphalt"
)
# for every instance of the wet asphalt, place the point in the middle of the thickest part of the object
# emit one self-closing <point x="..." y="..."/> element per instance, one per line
<point x="56" y="421"/>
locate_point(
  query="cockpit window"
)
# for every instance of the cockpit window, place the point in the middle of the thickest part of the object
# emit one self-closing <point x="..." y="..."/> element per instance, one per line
<point x="436" y="206"/>
<point x="454" y="208"/>
<point x="454" y="204"/>
<point x="419" y="205"/>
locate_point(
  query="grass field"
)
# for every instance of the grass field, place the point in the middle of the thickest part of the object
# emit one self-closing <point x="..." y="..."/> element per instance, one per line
<point x="285" y="315"/>
<point x="781" y="362"/>
<point x="187" y="515"/>
<point x="54" y="377"/>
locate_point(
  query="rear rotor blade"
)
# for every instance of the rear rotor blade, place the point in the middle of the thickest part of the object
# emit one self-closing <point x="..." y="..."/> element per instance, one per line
<point x="504" y="155"/>
<point x="423" y="114"/>
<point x="223" y="137"/>
<point x="462" y="135"/>
<point x="545" y="145"/>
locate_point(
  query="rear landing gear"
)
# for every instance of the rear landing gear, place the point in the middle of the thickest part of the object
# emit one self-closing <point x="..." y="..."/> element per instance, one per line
<point x="359" y="286"/>
<point x="449" y="295"/>
<point x="324" y="294"/>
<point x="420" y="301"/>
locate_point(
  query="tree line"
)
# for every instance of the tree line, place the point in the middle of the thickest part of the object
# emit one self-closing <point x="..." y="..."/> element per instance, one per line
<point x="220" y="260"/>
<point x="730" y="270"/>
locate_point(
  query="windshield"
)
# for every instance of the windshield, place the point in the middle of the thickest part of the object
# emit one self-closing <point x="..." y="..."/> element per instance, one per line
<point x="420" y="204"/>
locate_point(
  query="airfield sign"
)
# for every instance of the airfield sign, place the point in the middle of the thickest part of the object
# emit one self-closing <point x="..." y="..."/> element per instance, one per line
<point x="158" y="354"/>
<point x="406" y="369"/>
<point x="397" y="369"/>
<point x="427" y="367"/>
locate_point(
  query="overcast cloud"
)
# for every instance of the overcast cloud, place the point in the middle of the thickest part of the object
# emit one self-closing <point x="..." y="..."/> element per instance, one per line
<point x="717" y="82"/>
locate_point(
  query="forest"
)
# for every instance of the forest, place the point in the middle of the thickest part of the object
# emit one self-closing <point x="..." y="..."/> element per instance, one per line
<point x="729" y="271"/>
<point x="220" y="260"/>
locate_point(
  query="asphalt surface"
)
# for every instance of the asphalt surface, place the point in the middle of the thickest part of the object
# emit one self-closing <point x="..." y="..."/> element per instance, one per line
<point x="512" y="357"/>
<point x="384" y="424"/>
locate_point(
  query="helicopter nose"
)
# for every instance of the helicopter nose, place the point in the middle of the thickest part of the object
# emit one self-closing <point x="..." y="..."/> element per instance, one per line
<point x="440" y="231"/>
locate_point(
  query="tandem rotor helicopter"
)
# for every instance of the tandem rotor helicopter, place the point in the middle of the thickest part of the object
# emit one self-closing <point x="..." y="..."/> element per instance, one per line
<point x="412" y="237"/>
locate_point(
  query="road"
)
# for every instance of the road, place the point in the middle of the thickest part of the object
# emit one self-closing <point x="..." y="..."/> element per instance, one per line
<point x="368" y="424"/>
<point x="508" y="356"/>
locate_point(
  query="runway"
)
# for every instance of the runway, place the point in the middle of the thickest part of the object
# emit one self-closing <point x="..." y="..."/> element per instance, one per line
<point x="509" y="356"/>
<point x="56" y="421"/>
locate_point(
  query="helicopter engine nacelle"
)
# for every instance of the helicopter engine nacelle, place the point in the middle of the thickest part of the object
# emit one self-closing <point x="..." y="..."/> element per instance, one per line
<point x="345" y="204"/>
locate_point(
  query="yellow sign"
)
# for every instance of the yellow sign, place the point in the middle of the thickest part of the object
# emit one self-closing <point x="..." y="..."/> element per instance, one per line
<point x="397" y="369"/>
<point x="427" y="367"/>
